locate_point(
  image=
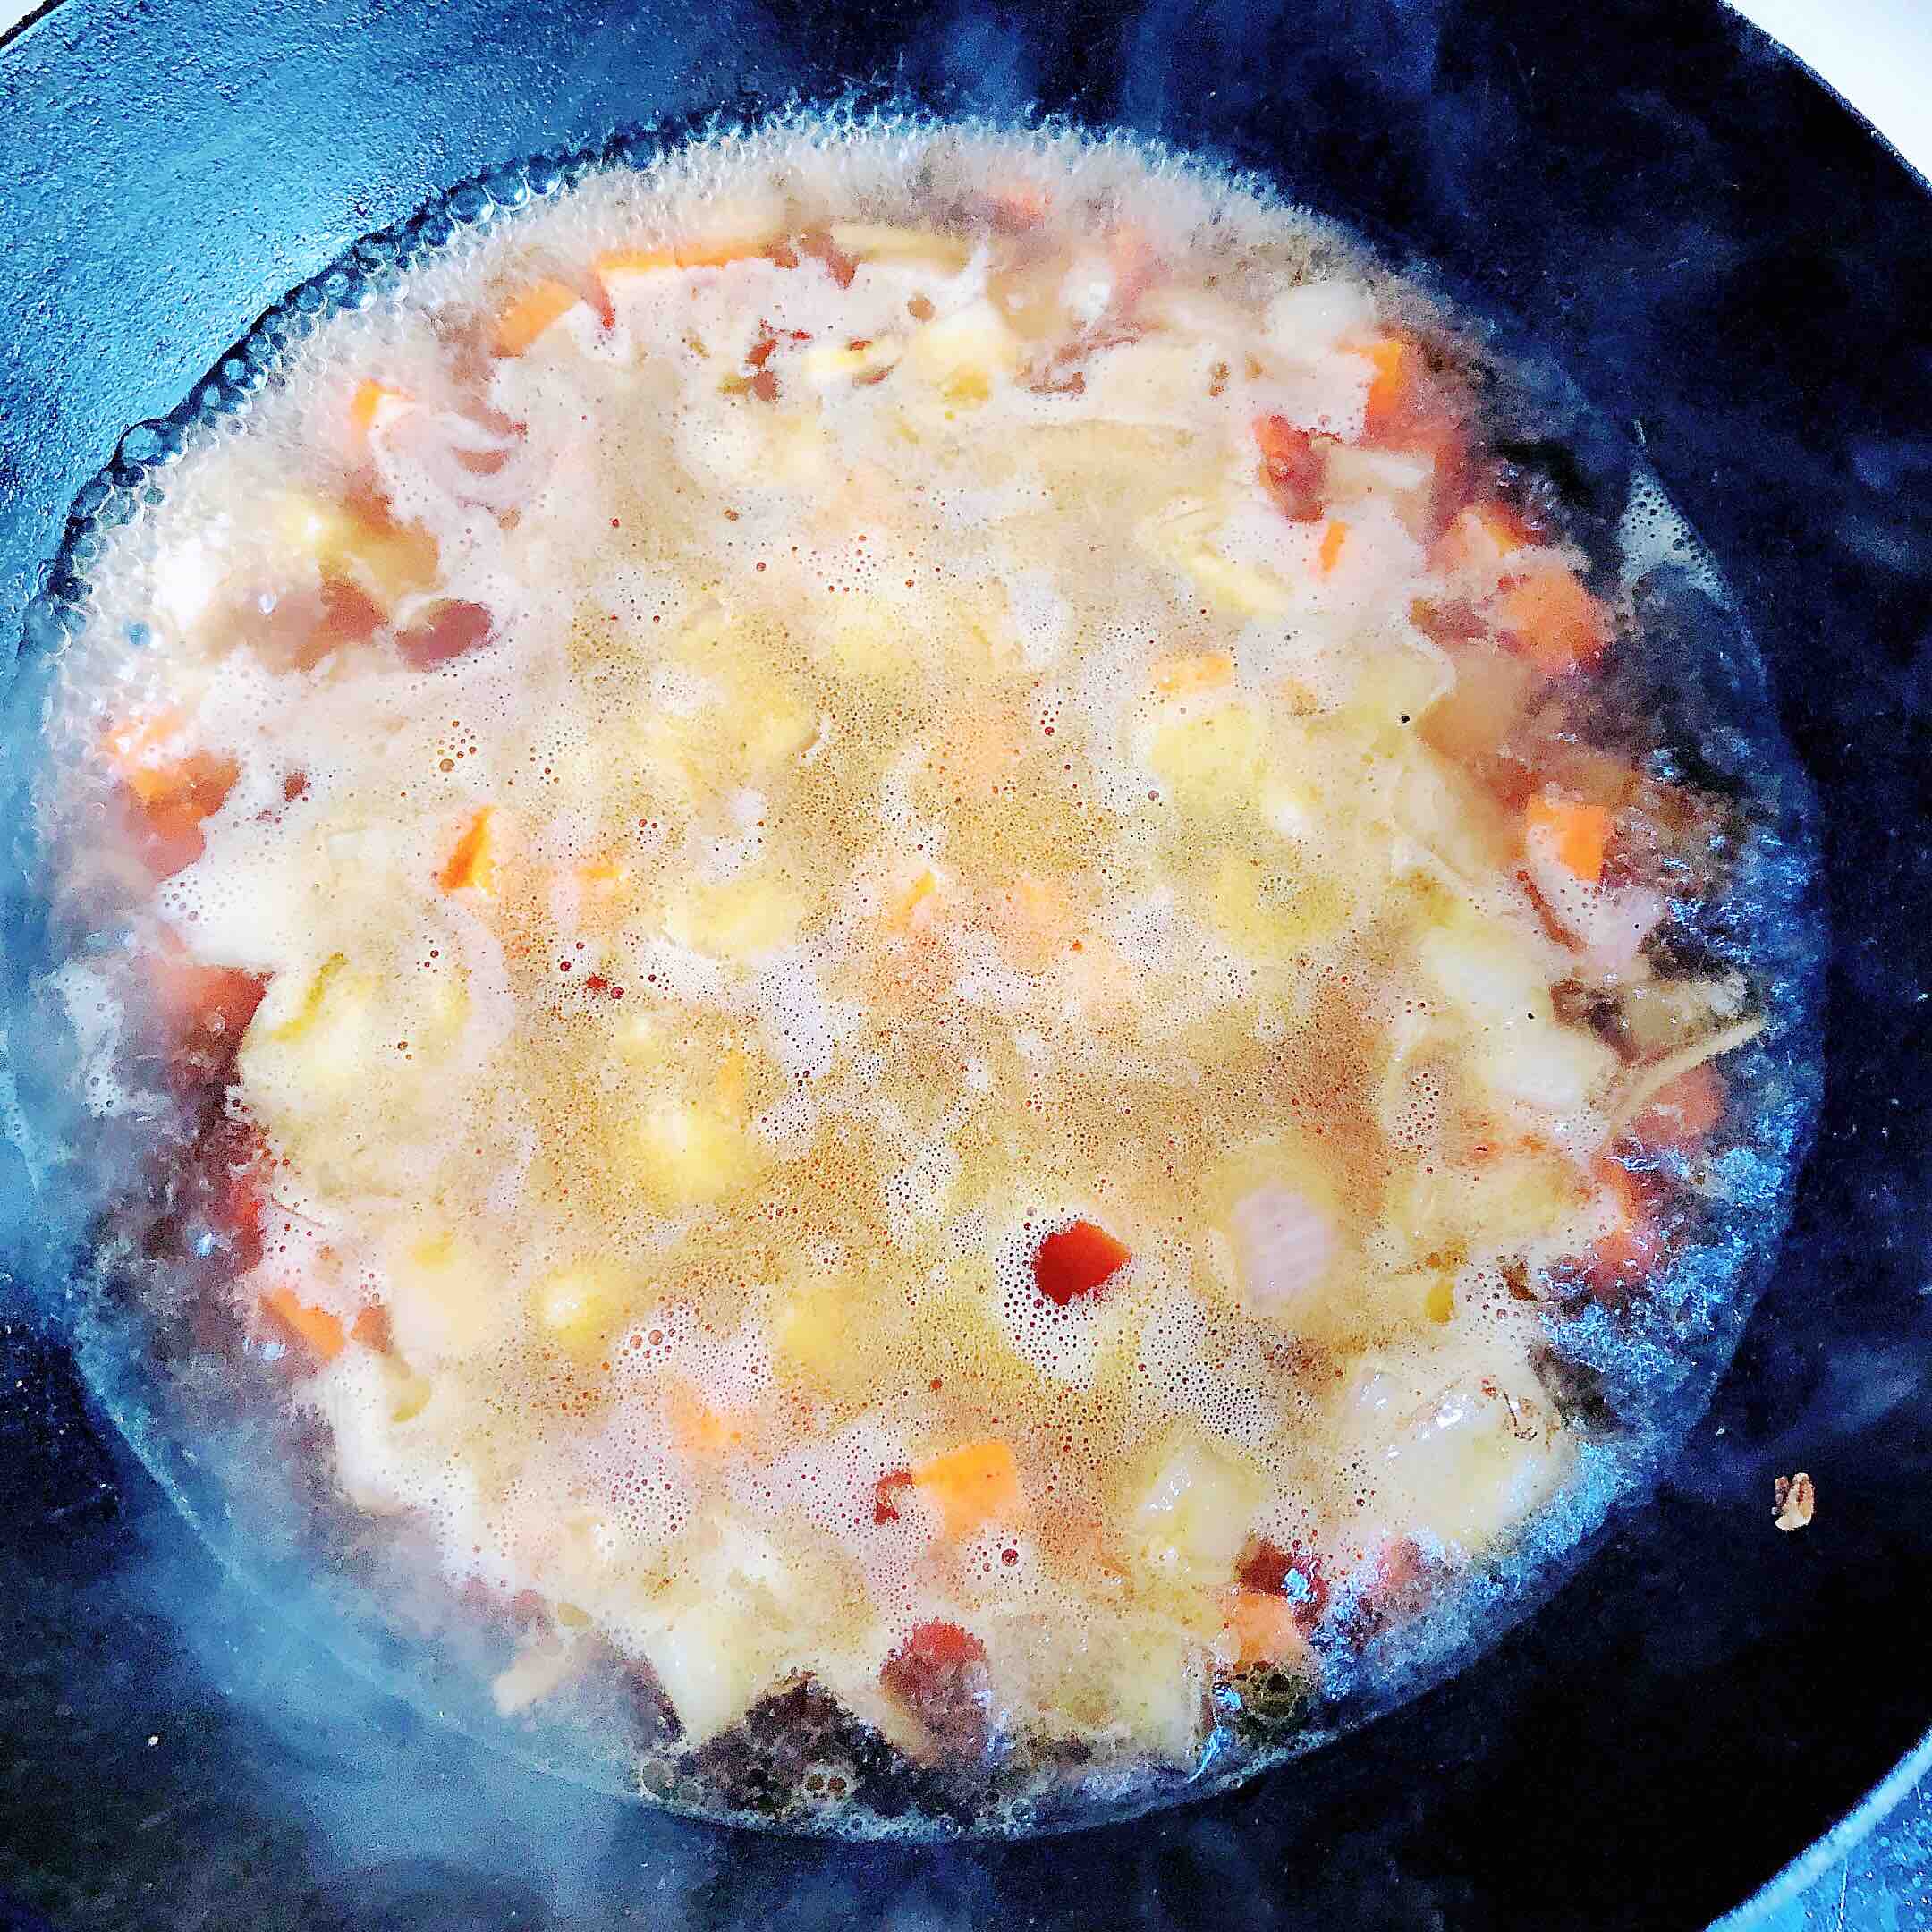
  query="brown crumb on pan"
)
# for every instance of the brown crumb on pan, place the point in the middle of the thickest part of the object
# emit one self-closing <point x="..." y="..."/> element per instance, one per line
<point x="1795" y="1499"/>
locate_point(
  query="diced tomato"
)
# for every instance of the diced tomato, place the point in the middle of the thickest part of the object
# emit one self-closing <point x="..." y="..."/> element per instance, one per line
<point x="1290" y="467"/>
<point x="1682" y="1115"/>
<point x="1294" y="1572"/>
<point x="1077" y="1260"/>
<point x="1135" y="264"/>
<point x="885" y="1492"/>
<point x="1620" y="1259"/>
<point x="169" y="796"/>
<point x="818" y="244"/>
<point x="446" y="631"/>
<point x="1015" y="207"/>
<point x="1480" y="537"/>
<point x="205" y="1011"/>
<point x="939" y="1675"/>
<point x="1553" y="620"/>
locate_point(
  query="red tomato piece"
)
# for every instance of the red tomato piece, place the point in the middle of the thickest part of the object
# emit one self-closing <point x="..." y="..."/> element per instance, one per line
<point x="1077" y="1261"/>
<point x="1291" y="468"/>
<point x="1292" y="1572"/>
<point x="884" y="1510"/>
<point x="446" y="631"/>
<point x="939" y="1675"/>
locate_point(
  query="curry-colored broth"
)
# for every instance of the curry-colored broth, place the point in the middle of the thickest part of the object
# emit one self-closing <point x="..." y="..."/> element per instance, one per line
<point x="941" y="989"/>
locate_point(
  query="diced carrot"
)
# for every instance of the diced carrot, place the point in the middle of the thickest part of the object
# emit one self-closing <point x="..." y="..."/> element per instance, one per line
<point x="371" y="1327"/>
<point x="1291" y="468"/>
<point x="365" y="405"/>
<point x="1016" y="206"/>
<point x="133" y="746"/>
<point x="1578" y="833"/>
<point x="604" y="876"/>
<point x="530" y="314"/>
<point x="1077" y="1260"/>
<point x="1623" y="1257"/>
<point x="1553" y="620"/>
<point x="1480" y="537"/>
<point x="699" y="1429"/>
<point x="1262" y="1628"/>
<point x="977" y="1484"/>
<point x="1396" y="364"/>
<point x="1183" y="672"/>
<point x="1682" y="1115"/>
<point x="913" y="904"/>
<point x="318" y="1331"/>
<point x="715" y="253"/>
<point x="1333" y="538"/>
<point x="1135" y="264"/>
<point x="472" y="866"/>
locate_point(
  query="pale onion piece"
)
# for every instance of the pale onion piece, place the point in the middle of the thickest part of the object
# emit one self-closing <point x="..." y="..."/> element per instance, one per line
<point x="1086" y="291"/>
<point x="828" y="363"/>
<point x="1328" y="396"/>
<point x="1555" y="1069"/>
<point x="1308" y="322"/>
<point x="710" y="1661"/>
<point x="1194" y="1508"/>
<point x="741" y="919"/>
<point x="965" y="353"/>
<point x="1214" y="761"/>
<point x="1404" y="480"/>
<point x="1487" y="969"/>
<point x="1452" y="1463"/>
<point x="687" y="1153"/>
<point x="883" y="241"/>
<point x="1608" y="924"/>
<point x="445" y="1298"/>
<point x="389" y="1452"/>
<point x="1209" y="318"/>
<point x="1659" y="1016"/>
<point x="1285" y="1247"/>
<point x="1155" y="379"/>
<point x="1646" y="1082"/>
<point x="1159" y="1695"/>
<point x="540" y="1668"/>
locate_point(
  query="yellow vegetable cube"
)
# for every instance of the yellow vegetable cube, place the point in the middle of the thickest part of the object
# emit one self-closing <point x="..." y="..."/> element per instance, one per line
<point x="1212" y="762"/>
<point x="444" y="1298"/>
<point x="689" y="1153"/>
<point x="580" y="1307"/>
<point x="1195" y="1501"/>
<point x="738" y="919"/>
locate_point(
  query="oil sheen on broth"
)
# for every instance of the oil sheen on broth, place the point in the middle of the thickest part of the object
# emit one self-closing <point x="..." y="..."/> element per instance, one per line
<point x="893" y="942"/>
